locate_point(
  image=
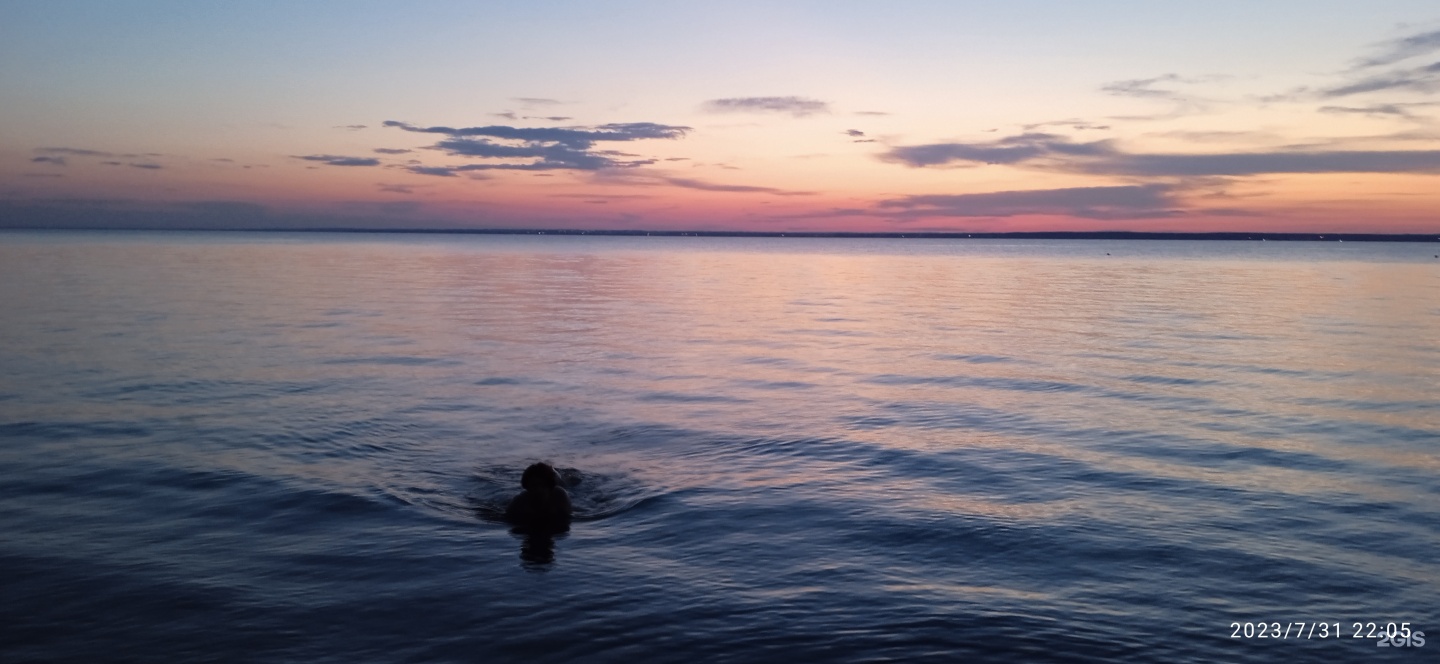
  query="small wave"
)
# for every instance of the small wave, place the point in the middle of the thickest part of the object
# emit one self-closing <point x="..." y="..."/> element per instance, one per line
<point x="678" y="397"/>
<point x="72" y="430"/>
<point x="827" y="332"/>
<point x="199" y="392"/>
<point x="775" y="385"/>
<point x="975" y="359"/>
<point x="500" y="380"/>
<point x="1169" y="380"/>
<point x="769" y="361"/>
<point x="1269" y="371"/>
<point x="1018" y="384"/>
<point x="401" y="360"/>
<point x="1205" y="453"/>
<point x="1368" y="405"/>
<point x="302" y="507"/>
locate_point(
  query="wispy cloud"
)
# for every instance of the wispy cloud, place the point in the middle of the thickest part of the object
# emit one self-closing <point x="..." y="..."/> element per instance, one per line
<point x="437" y="171"/>
<point x="1377" y="73"/>
<point x="57" y="156"/>
<point x="1119" y="202"/>
<point x="1400" y="110"/>
<point x="351" y="127"/>
<point x="1219" y="136"/>
<point x="1051" y="152"/>
<point x="613" y="197"/>
<point x="1404" y="48"/>
<point x="78" y="152"/>
<point x="335" y="160"/>
<point x="392" y="151"/>
<point x="1072" y="123"/>
<point x="858" y="136"/>
<point x="1424" y="79"/>
<point x="1262" y="163"/>
<point x="84" y="152"/>
<point x="656" y="178"/>
<point x="546" y="156"/>
<point x="1026" y="147"/>
<point x="537" y="101"/>
<point x="690" y="183"/>
<point x="1159" y="88"/>
<point x="1143" y="88"/>
<point x="796" y="106"/>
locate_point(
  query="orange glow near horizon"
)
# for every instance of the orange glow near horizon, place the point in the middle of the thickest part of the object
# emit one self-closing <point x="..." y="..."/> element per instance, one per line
<point x="841" y="127"/>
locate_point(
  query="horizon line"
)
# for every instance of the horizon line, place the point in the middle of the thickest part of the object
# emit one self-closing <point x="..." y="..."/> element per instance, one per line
<point x="932" y="235"/>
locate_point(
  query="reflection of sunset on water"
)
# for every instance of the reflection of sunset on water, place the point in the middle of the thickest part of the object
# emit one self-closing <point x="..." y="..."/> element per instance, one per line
<point x="823" y="438"/>
<point x="943" y="331"/>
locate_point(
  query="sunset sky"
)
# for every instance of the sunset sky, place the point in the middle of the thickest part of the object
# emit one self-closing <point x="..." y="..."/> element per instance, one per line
<point x="772" y="116"/>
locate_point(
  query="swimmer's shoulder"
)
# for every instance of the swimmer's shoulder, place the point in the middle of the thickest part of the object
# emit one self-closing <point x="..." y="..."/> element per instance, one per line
<point x="519" y="507"/>
<point x="561" y="499"/>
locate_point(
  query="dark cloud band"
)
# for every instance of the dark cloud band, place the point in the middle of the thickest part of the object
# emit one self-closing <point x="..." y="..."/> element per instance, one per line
<point x="539" y="148"/>
<point x="1048" y="151"/>
<point x="1121" y="202"/>
<point x="334" y="160"/>
<point x="580" y="139"/>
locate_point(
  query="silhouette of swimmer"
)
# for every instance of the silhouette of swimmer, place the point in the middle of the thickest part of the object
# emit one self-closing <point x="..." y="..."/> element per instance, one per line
<point x="544" y="504"/>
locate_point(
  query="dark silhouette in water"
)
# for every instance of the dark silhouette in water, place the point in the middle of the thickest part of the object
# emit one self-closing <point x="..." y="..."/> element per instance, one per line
<point x="544" y="506"/>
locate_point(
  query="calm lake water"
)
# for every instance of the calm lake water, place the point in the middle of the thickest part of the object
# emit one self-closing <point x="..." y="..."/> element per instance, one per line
<point x="292" y="448"/>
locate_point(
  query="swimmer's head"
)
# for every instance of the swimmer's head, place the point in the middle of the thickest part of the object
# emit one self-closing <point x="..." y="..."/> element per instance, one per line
<point x="539" y="477"/>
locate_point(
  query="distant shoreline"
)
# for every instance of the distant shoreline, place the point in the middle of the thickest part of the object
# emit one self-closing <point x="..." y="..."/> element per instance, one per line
<point x="1037" y="235"/>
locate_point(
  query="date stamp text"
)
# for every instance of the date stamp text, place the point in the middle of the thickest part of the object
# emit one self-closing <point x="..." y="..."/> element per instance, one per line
<point x="1385" y="634"/>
